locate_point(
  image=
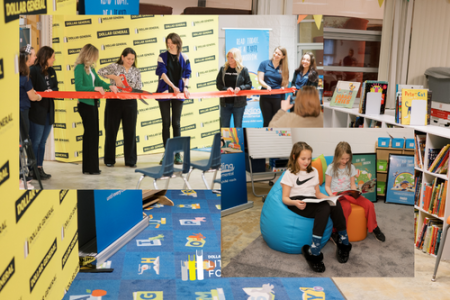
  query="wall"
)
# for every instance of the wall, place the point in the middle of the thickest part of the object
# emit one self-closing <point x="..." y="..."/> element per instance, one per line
<point x="179" y="6"/>
<point x="283" y="33"/>
<point x="430" y="39"/>
<point x="366" y="9"/>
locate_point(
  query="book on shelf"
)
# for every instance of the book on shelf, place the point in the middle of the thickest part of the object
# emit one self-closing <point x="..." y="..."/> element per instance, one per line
<point x="345" y="94"/>
<point x="420" y="140"/>
<point x="410" y="97"/>
<point x="373" y="86"/>
<point x="418" y="187"/>
<point x="398" y="107"/>
<point x="416" y="215"/>
<point x="432" y="154"/>
<point x="428" y="239"/>
<point x="434" y="197"/>
<point x="438" y="162"/>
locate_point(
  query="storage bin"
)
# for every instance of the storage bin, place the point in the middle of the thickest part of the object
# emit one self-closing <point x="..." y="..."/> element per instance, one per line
<point x="398" y="143"/>
<point x="382" y="165"/>
<point x="381" y="187"/>
<point x="383" y="142"/>
<point x="409" y="144"/>
<point x="258" y="165"/>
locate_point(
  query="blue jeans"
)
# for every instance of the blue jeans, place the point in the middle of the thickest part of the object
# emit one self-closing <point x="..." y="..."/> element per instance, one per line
<point x="227" y="111"/>
<point x="38" y="135"/>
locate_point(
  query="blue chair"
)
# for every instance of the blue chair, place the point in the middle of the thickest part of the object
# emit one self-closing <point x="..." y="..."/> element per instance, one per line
<point x="167" y="169"/>
<point x="209" y="165"/>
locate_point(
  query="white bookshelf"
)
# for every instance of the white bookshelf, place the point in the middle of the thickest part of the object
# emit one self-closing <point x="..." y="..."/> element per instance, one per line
<point x="436" y="137"/>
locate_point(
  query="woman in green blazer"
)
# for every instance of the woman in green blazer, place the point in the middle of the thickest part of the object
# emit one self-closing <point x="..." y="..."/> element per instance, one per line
<point x="87" y="80"/>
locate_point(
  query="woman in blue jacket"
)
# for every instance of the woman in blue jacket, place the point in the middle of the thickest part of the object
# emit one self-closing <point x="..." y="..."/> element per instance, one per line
<point x="173" y="70"/>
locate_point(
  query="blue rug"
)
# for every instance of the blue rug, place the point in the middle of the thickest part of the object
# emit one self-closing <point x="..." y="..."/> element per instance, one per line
<point x="178" y="257"/>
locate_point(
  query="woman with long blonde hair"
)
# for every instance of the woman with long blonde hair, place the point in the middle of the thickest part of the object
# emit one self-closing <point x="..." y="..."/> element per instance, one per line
<point x="233" y="77"/>
<point x="273" y="74"/>
<point x="87" y="80"/>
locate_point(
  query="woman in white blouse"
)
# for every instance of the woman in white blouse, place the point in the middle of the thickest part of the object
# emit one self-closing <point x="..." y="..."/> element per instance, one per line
<point x="124" y="110"/>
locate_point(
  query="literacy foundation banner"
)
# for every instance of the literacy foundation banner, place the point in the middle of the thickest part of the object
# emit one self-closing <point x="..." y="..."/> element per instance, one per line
<point x="254" y="47"/>
<point x="146" y="35"/>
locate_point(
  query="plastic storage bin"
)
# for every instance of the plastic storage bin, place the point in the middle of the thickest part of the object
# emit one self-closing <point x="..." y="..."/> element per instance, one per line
<point x="382" y="165"/>
<point x="381" y="187"/>
<point x="398" y="143"/>
<point x="383" y="142"/>
<point x="409" y="144"/>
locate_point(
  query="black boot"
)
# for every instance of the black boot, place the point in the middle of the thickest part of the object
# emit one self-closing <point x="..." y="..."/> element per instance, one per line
<point x="343" y="252"/>
<point x="314" y="261"/>
<point x="42" y="175"/>
<point x="41" y="170"/>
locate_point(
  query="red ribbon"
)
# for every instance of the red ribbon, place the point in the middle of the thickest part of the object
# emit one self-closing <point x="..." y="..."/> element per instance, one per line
<point x="198" y="95"/>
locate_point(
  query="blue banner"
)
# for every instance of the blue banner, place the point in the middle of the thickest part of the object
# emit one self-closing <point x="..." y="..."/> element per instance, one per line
<point x="116" y="212"/>
<point x="254" y="46"/>
<point x="112" y="7"/>
<point x="234" y="186"/>
<point x="400" y="180"/>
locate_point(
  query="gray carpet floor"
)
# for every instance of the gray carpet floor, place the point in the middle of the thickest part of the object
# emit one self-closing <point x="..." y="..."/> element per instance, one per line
<point x="368" y="258"/>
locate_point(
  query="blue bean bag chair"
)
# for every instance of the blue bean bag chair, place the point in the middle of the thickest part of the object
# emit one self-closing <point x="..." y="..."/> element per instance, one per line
<point x="284" y="230"/>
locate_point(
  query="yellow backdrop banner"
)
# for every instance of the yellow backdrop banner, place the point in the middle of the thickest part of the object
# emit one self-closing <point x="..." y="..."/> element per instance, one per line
<point x="146" y="35"/>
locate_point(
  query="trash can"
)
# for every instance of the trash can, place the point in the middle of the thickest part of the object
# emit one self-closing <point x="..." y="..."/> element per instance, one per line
<point x="439" y="83"/>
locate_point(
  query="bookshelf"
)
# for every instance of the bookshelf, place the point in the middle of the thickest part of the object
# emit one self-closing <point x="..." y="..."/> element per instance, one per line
<point x="436" y="137"/>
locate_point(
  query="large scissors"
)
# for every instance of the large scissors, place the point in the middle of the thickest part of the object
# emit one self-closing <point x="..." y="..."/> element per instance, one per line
<point x="129" y="89"/>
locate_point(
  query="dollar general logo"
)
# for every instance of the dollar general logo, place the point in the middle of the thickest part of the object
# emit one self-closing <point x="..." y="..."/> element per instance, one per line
<point x="188" y="101"/>
<point x="4" y="172"/>
<point x="24" y="202"/>
<point x="147" y="69"/>
<point x="108" y="60"/>
<point x="315" y="293"/>
<point x="69" y="249"/>
<point x="79" y="138"/>
<point x="210" y="133"/>
<point x="204" y="59"/>
<point x="205" y="84"/>
<point x="72" y="81"/>
<point x="7" y="274"/>
<point x="137" y="139"/>
<point x="75" y="109"/>
<point x="55" y="40"/>
<point x="209" y="109"/>
<point x="57" y="68"/>
<point x="119" y="143"/>
<point x="151" y="122"/>
<point x="145" y="41"/>
<point x="42" y="265"/>
<point x="135" y="17"/>
<point x="175" y="25"/>
<point x="154" y="147"/>
<point x="73" y="51"/>
<point x="189" y="127"/>
<point x="115" y="32"/>
<point x="59" y="125"/>
<point x="14" y="8"/>
<point x="202" y="33"/>
<point x="6" y="120"/>
<point x="62" y="154"/>
<point x="185" y="49"/>
<point x="78" y="22"/>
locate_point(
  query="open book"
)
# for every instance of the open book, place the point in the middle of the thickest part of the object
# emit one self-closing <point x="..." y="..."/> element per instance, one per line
<point x="367" y="187"/>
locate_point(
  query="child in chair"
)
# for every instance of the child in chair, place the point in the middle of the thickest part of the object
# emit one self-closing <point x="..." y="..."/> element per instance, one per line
<point x="340" y="176"/>
<point x="301" y="181"/>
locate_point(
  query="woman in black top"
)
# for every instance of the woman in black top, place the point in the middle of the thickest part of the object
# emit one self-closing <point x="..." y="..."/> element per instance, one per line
<point x="233" y="77"/>
<point x="42" y="113"/>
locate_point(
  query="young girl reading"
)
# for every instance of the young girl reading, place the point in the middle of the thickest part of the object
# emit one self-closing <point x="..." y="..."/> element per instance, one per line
<point x="301" y="181"/>
<point x="340" y="176"/>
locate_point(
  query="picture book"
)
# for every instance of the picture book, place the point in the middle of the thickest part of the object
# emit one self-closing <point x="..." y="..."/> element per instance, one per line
<point x="408" y="96"/>
<point x="345" y="94"/>
<point x="373" y="86"/>
<point x="420" y="150"/>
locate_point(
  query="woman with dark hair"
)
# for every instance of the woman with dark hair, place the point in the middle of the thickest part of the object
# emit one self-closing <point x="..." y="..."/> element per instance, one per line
<point x="87" y="80"/>
<point x="273" y="74"/>
<point x="306" y="74"/>
<point x="27" y="93"/>
<point x="307" y="111"/>
<point x="124" y="110"/>
<point x="42" y="113"/>
<point x="173" y="70"/>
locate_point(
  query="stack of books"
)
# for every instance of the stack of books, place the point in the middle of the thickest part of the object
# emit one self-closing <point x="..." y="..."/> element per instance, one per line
<point x="434" y="196"/>
<point x="439" y="164"/>
<point x="403" y="105"/>
<point x="420" y="150"/>
<point x="429" y="237"/>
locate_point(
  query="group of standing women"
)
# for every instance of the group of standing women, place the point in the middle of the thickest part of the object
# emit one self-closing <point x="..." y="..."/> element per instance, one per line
<point x="272" y="74"/>
<point x="38" y="113"/>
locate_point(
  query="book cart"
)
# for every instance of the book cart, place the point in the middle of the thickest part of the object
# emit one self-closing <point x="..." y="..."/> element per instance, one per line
<point x="436" y="137"/>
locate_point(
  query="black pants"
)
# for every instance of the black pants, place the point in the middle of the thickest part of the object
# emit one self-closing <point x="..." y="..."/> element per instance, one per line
<point x="89" y="116"/>
<point x="269" y="107"/>
<point x="164" y="107"/>
<point x="115" y="111"/>
<point x="320" y="212"/>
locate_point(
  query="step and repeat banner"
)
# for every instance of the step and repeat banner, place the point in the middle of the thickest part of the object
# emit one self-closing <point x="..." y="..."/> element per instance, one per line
<point x="146" y="35"/>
